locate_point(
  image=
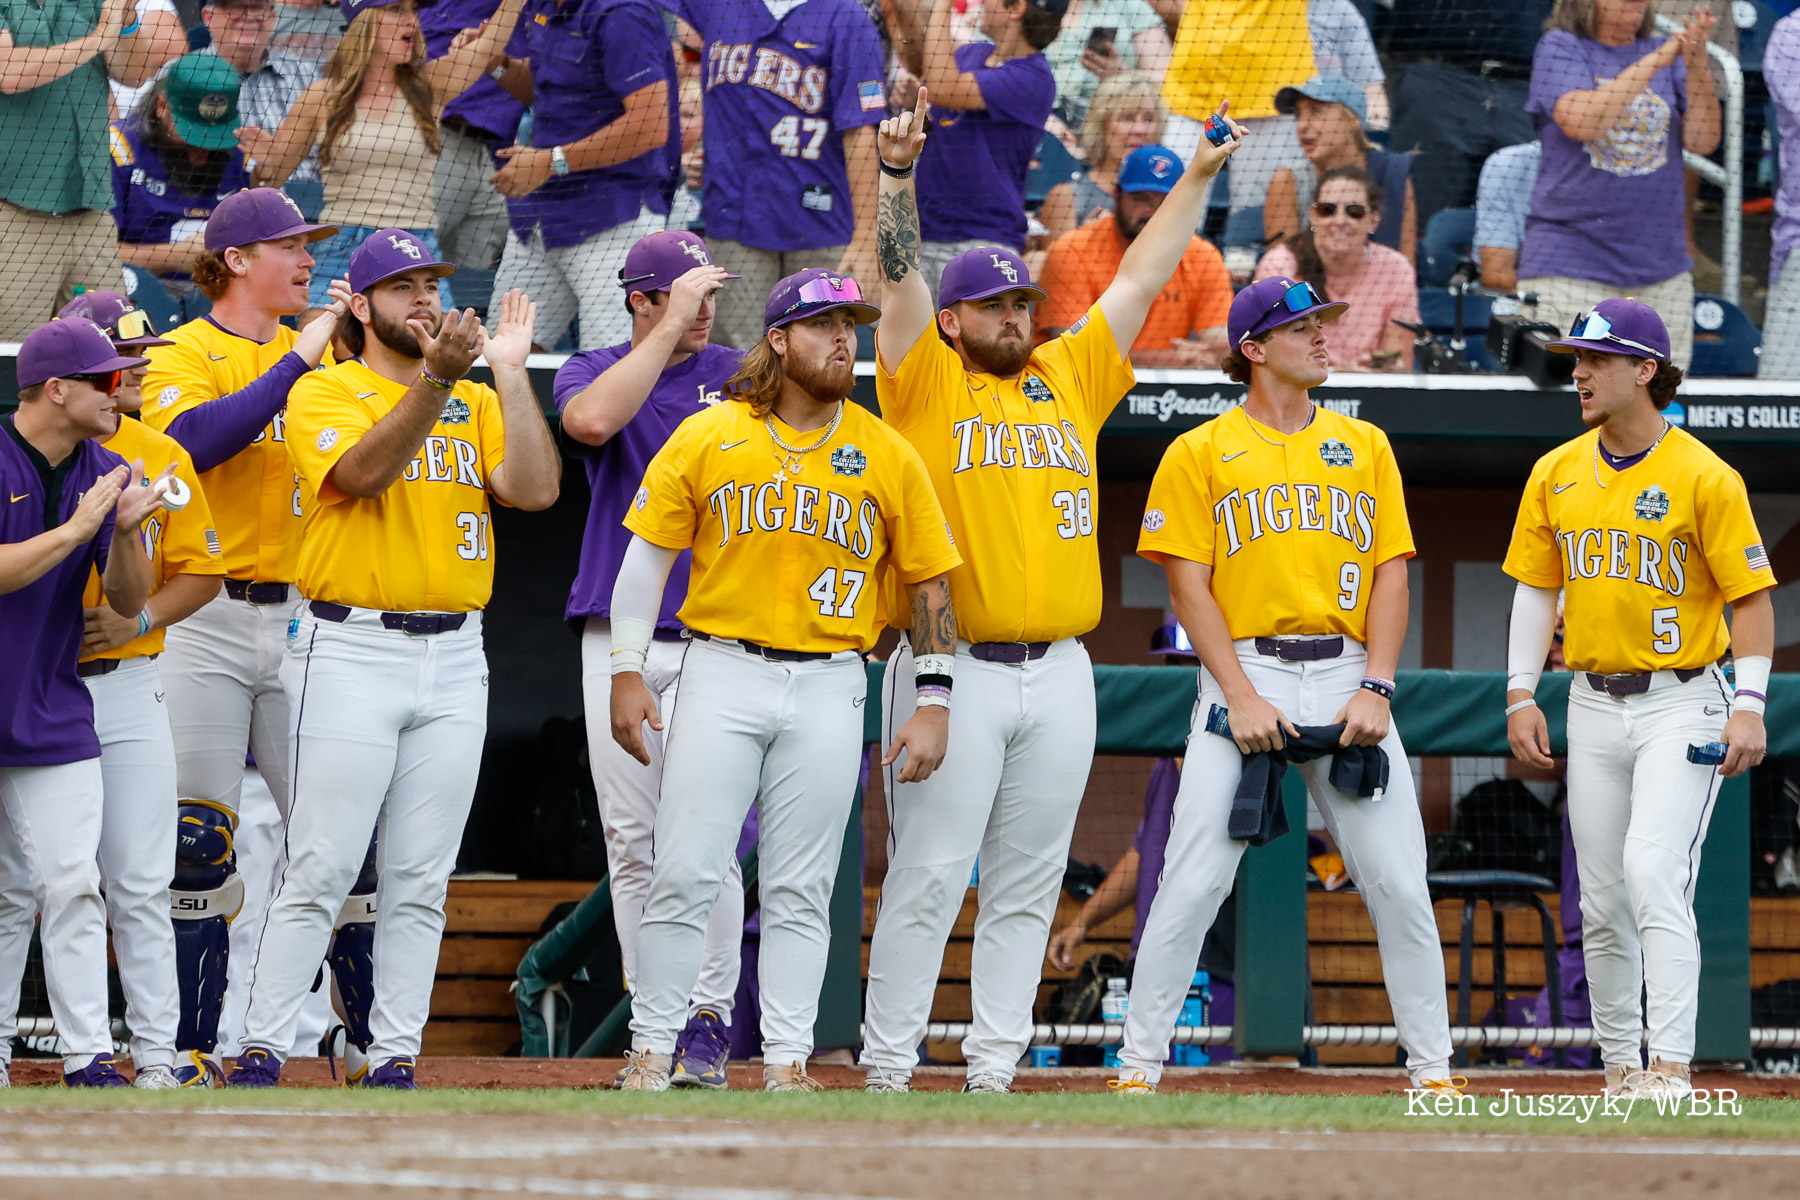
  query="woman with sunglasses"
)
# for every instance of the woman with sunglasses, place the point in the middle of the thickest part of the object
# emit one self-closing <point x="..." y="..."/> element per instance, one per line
<point x="1339" y="257"/>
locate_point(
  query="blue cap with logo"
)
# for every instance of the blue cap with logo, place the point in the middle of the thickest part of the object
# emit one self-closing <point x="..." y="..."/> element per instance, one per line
<point x="390" y="252"/>
<point x="1150" y="169"/>
<point x="985" y="271"/>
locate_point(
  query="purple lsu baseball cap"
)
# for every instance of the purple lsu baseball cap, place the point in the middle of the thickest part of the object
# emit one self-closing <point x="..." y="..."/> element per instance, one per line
<point x="659" y="259"/>
<point x="69" y="346"/>
<point x="352" y="9"/>
<point x="1616" y="326"/>
<point x="259" y="215"/>
<point x="985" y="271"/>
<point x="816" y="290"/>
<point x="390" y="252"/>
<point x="121" y="320"/>
<point x="1276" y="301"/>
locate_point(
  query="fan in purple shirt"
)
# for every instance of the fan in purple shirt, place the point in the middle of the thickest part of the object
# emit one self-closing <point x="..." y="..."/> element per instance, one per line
<point x="619" y="405"/>
<point x="791" y="103"/>
<point x="989" y="103"/>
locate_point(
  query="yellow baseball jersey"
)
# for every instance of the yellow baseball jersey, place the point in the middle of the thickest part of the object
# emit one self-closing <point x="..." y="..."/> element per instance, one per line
<point x="1293" y="525"/>
<point x="254" y="494"/>
<point x="792" y="562"/>
<point x="425" y="544"/>
<point x="180" y="543"/>
<point x="1647" y="557"/>
<point x="1013" y="463"/>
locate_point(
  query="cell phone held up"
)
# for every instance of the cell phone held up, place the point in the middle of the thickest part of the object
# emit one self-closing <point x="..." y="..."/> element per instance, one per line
<point x="1217" y="130"/>
<point x="1101" y="39"/>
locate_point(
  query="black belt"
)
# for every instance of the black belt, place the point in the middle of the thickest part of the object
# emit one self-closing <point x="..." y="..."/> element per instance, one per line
<point x="1636" y="683"/>
<point x="102" y="666"/>
<point x="659" y="634"/>
<point x="462" y="126"/>
<point x="256" y="593"/>
<point x="413" y="623"/>
<point x="768" y="652"/>
<point x="1300" y="650"/>
<point x="1009" y="652"/>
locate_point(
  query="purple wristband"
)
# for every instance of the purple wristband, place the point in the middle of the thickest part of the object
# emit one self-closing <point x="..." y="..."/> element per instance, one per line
<point x="436" y="381"/>
<point x="1755" y="695"/>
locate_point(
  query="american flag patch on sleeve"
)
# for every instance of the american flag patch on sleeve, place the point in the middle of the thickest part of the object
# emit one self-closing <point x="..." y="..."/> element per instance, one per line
<point x="870" y="96"/>
<point x="212" y="543"/>
<point x="1759" y="558"/>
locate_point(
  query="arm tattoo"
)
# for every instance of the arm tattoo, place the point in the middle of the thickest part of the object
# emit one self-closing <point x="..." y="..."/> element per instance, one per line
<point x="933" y="628"/>
<point x="897" y="235"/>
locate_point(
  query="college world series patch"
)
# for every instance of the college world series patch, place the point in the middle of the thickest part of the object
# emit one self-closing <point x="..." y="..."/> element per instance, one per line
<point x="1652" y="504"/>
<point x="456" y="412"/>
<point x="1037" y="391"/>
<point x="1336" y="454"/>
<point x="848" y="460"/>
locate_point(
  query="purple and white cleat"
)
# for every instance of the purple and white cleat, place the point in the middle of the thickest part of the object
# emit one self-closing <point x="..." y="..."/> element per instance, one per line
<point x="98" y="1074"/>
<point x="257" y="1067"/>
<point x="396" y="1073"/>
<point x="701" y="1052"/>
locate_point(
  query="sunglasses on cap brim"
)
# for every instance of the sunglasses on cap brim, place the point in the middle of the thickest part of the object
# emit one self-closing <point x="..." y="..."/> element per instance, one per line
<point x="133" y="323"/>
<point x="1593" y="327"/>
<point x="827" y="291"/>
<point x="1297" y="298"/>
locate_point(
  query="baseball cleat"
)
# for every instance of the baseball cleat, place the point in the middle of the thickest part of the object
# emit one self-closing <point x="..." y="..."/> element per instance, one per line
<point x="1138" y="1085"/>
<point x="256" y="1067"/>
<point x="791" y="1077"/>
<point x="395" y="1073"/>
<point x="1662" y="1081"/>
<point x="887" y="1083"/>
<point x="646" y="1072"/>
<point x="984" y="1083"/>
<point x="98" y="1074"/>
<point x="200" y="1069"/>
<point x="701" y="1052"/>
<point x="1451" y="1085"/>
<point x="156" y="1079"/>
<point x="1618" y="1079"/>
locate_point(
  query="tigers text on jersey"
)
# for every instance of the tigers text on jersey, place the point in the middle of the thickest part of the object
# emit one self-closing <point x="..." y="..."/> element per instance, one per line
<point x="792" y="562"/>
<point x="180" y="543"/>
<point x="1648" y="557"/>
<point x="254" y="496"/>
<point x="1013" y="463"/>
<point x="1293" y="524"/>
<point x="424" y="545"/>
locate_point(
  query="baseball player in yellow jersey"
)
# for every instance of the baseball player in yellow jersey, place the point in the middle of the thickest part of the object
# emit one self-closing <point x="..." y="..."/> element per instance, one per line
<point x="1284" y="534"/>
<point x="796" y="503"/>
<point x="1008" y="435"/>
<point x="1649" y="536"/>
<point x="385" y="676"/>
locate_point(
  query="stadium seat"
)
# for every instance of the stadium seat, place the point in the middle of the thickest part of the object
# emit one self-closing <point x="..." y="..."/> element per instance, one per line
<point x="1726" y="343"/>
<point x="1244" y="228"/>
<point x="1053" y="165"/>
<point x="1500" y="890"/>
<point x="148" y="293"/>
<point x="1448" y="237"/>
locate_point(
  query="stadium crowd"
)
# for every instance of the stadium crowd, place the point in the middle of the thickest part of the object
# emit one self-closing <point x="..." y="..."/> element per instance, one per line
<point x="539" y="148"/>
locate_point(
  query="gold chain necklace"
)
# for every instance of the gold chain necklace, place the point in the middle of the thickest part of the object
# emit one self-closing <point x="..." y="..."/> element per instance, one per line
<point x="1640" y="458"/>
<point x="788" y="457"/>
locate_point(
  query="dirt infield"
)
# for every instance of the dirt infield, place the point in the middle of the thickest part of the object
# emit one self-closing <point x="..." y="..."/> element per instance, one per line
<point x="516" y="1073"/>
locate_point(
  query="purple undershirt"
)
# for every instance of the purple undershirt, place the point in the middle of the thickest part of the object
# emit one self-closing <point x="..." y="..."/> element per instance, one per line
<point x="215" y="431"/>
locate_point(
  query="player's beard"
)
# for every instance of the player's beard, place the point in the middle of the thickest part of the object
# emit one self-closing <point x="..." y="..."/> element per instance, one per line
<point x="824" y="381"/>
<point x="997" y="356"/>
<point x="398" y="335"/>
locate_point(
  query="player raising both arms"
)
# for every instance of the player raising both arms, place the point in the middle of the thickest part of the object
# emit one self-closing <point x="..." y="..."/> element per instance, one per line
<point x="1008" y="434"/>
<point x="1650" y="536"/>
<point x="1283" y="531"/>
<point x="782" y="603"/>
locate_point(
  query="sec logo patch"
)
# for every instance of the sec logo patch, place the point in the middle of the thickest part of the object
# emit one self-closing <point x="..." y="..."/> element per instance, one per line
<point x="327" y="439"/>
<point x="168" y="396"/>
<point x="641" y="499"/>
<point x="1153" y="520"/>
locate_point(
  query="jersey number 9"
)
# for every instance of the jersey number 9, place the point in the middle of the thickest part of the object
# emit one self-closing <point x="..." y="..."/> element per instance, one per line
<point x="1349" y="586"/>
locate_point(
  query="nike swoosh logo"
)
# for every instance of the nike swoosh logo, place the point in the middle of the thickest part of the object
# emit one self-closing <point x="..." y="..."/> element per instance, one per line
<point x="159" y="697"/>
<point x="364" y="395"/>
<point x="16" y="499"/>
<point x="732" y="445"/>
<point x="806" y="45"/>
<point x="857" y="703"/>
<point x="1560" y="488"/>
<point x="1712" y="712"/>
<point x="1239" y="454"/>
<point x="215" y="357"/>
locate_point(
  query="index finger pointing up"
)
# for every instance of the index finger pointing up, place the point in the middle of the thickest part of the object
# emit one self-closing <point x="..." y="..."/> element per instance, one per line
<point x="922" y="108"/>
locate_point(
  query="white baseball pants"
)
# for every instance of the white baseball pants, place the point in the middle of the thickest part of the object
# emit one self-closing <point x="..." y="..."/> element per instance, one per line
<point x="628" y="792"/>
<point x="1381" y="838"/>
<point x="747" y="728"/>
<point x="220" y="670"/>
<point x="1021" y="744"/>
<point x="388" y="728"/>
<point x="49" y="851"/>
<point x="1639" y="810"/>
<point x="569" y="281"/>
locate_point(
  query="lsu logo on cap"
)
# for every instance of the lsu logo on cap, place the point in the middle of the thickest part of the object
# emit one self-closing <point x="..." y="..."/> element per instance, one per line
<point x="848" y="460"/>
<point x="695" y="251"/>
<point x="1336" y="454"/>
<point x="1005" y="268"/>
<point x="1652" y="504"/>
<point x="406" y="246"/>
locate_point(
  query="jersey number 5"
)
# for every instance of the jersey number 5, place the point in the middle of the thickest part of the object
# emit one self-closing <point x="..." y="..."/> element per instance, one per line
<point x="824" y="589"/>
<point x="1667" y="634"/>
<point x="789" y="132"/>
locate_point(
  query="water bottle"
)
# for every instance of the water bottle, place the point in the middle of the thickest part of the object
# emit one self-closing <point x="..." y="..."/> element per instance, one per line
<point x="1195" y="1011"/>
<point x="1113" y="1006"/>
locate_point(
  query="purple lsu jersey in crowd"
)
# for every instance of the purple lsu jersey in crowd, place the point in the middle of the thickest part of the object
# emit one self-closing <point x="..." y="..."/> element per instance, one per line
<point x="485" y="105"/>
<point x="779" y="96"/>
<point x="972" y="174"/>
<point x="587" y="56"/>
<point x="615" y="469"/>
<point x="46" y="713"/>
<point x="146" y="205"/>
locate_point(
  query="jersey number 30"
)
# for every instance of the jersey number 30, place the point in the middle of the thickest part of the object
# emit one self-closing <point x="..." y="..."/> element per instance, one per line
<point x="824" y="589"/>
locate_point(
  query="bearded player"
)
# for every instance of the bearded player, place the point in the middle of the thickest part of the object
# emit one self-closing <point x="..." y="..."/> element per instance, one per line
<point x="1008" y="435"/>
<point x="1649" y="536"/>
<point x="788" y="493"/>
<point x="619" y="406"/>
<point x="398" y="456"/>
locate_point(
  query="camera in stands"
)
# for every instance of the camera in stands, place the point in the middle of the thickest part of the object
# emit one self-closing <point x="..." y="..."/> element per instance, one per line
<point x="1519" y="345"/>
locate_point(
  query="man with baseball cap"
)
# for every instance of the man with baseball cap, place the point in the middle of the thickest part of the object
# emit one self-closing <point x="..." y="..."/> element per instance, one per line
<point x="399" y="457"/>
<point x="772" y="688"/>
<point x="221" y="391"/>
<point x="1648" y="536"/>
<point x="73" y="505"/>
<point x="1009" y="435"/>
<point x="1186" y="323"/>
<point x="619" y="406"/>
<point x="137" y="757"/>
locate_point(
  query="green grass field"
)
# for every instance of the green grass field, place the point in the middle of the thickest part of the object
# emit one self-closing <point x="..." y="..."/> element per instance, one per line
<point x="1772" y="1120"/>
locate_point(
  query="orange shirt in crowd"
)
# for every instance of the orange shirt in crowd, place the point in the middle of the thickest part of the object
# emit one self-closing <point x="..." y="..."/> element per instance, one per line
<point x="1083" y="261"/>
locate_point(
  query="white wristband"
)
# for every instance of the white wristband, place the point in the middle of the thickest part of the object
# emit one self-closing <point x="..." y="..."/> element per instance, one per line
<point x="934" y="664"/>
<point x="630" y="644"/>
<point x="932" y="701"/>
<point x="1752" y="672"/>
<point x="1520" y="706"/>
